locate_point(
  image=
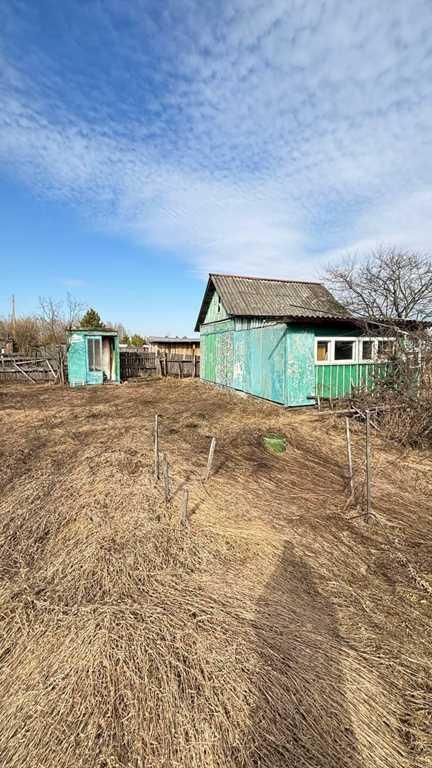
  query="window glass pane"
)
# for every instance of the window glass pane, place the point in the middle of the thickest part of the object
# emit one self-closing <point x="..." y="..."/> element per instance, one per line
<point x="94" y="347"/>
<point x="98" y="354"/>
<point x="344" y="350"/>
<point x="385" y="349"/>
<point x="322" y="351"/>
<point x="366" y="349"/>
<point x="90" y="348"/>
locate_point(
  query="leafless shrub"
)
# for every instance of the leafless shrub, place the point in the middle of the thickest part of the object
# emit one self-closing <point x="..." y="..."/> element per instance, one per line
<point x="402" y="390"/>
<point x="26" y="334"/>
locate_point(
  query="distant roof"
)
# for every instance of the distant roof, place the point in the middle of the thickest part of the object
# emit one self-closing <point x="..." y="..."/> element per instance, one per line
<point x="107" y="331"/>
<point x="267" y="297"/>
<point x="173" y="340"/>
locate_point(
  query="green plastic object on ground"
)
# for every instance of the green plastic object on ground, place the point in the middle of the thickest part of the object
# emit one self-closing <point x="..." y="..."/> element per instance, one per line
<point x="275" y="443"/>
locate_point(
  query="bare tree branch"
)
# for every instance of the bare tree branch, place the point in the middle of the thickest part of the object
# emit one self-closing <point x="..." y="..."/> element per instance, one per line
<point x="388" y="284"/>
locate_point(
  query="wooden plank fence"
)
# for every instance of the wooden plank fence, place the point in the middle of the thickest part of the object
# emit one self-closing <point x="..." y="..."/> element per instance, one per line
<point x="137" y="364"/>
<point x="132" y="365"/>
<point x="15" y="367"/>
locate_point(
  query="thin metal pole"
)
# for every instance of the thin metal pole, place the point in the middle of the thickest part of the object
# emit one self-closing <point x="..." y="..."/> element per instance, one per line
<point x="165" y="470"/>
<point x="349" y="454"/>
<point x="184" y="509"/>
<point x="156" y="447"/>
<point x="368" y="468"/>
<point x="210" y="458"/>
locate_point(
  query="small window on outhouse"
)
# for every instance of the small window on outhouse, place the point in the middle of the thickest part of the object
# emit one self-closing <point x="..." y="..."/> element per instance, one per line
<point x="322" y="351"/>
<point x="344" y="350"/>
<point x="366" y="349"/>
<point x="94" y="347"/>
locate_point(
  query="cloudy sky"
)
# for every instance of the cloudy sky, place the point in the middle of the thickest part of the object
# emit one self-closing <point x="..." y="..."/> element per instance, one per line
<point x="144" y="143"/>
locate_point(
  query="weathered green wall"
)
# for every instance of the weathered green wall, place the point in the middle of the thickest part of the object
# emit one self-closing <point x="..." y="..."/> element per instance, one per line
<point x="300" y="358"/>
<point x="253" y="361"/>
<point x="77" y="359"/>
<point x="339" y="380"/>
<point x="216" y="310"/>
<point x="277" y="361"/>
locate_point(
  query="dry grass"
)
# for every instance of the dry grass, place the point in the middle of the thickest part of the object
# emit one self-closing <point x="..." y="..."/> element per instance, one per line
<point x="274" y="631"/>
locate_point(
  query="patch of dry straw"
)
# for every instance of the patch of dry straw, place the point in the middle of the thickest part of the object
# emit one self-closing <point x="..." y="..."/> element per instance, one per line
<point x="130" y="641"/>
<point x="127" y="640"/>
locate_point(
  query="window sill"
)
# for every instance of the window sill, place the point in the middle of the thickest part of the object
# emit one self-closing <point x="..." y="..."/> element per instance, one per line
<point x="344" y="362"/>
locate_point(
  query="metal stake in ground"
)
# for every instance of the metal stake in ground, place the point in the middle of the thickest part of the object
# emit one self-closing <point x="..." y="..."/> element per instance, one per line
<point x="184" y="507"/>
<point x="368" y="468"/>
<point x="349" y="454"/>
<point x="165" y="470"/>
<point x="156" y="447"/>
<point x="210" y="458"/>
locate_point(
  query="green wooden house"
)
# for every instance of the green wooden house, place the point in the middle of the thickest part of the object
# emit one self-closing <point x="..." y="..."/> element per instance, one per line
<point x="93" y="356"/>
<point x="284" y="340"/>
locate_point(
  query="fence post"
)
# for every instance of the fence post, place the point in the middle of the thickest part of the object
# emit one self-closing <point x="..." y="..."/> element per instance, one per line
<point x="165" y="470"/>
<point x="210" y="458"/>
<point x="156" y="447"/>
<point x="184" y="508"/>
<point x="158" y="366"/>
<point x="368" y="468"/>
<point x="349" y="454"/>
<point x="61" y="364"/>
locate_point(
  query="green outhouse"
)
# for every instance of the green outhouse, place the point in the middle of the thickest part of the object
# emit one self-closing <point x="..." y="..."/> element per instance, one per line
<point x="285" y="340"/>
<point x="93" y="356"/>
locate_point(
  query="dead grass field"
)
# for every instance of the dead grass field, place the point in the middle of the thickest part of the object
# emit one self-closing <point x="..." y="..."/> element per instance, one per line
<point x="278" y="629"/>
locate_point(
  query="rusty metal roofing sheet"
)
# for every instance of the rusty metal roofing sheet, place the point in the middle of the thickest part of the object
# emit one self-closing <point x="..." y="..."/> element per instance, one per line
<point x="266" y="297"/>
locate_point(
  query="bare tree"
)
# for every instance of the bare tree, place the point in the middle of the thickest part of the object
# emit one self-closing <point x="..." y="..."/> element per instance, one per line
<point x="73" y="310"/>
<point x="120" y="328"/>
<point x="51" y="321"/>
<point x="56" y="317"/>
<point x="388" y="284"/>
<point x="47" y="329"/>
<point x="26" y="333"/>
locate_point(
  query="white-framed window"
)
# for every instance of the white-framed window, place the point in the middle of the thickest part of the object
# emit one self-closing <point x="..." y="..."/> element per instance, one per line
<point x="384" y="348"/>
<point x="366" y="348"/>
<point x="322" y="351"/>
<point x="336" y="349"/>
<point x="340" y="350"/>
<point x="94" y="351"/>
<point x="344" y="350"/>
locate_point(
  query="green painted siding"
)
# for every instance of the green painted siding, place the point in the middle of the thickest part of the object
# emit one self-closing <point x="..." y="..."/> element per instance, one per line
<point x="252" y="360"/>
<point x="300" y="384"/>
<point x="277" y="361"/>
<point x="335" y="380"/>
<point x="216" y="310"/>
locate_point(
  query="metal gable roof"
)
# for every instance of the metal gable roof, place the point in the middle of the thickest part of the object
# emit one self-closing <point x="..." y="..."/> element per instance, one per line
<point x="267" y="297"/>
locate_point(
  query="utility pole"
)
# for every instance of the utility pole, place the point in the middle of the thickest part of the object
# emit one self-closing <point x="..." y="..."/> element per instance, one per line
<point x="13" y="314"/>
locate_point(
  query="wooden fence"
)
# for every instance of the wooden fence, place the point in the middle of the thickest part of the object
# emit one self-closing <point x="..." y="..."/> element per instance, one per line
<point x="15" y="367"/>
<point x="137" y="364"/>
<point x="132" y="365"/>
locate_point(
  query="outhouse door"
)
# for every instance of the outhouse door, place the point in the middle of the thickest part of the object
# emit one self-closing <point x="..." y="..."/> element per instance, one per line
<point x="94" y="360"/>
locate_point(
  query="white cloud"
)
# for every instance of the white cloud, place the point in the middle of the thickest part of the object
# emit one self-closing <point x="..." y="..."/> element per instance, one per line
<point x="253" y="136"/>
<point x="73" y="282"/>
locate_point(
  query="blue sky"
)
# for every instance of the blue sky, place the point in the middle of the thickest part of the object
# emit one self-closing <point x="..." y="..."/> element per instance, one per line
<point x="145" y="143"/>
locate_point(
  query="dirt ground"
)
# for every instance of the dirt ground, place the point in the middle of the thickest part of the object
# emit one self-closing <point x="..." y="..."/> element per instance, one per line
<point x="373" y="578"/>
